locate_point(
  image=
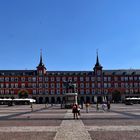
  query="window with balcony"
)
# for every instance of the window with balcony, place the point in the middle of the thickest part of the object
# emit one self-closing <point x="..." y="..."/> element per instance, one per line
<point x="23" y="85"/>
<point x="105" y="85"/>
<point x="23" y="79"/>
<point x="126" y="85"/>
<point x="12" y="85"/>
<point x="40" y="92"/>
<point x="69" y="78"/>
<point x="40" y="72"/>
<point x="136" y="85"/>
<point x="52" y="79"/>
<point x="58" y="85"/>
<point x="58" y="92"/>
<point x="105" y="78"/>
<point x="116" y="85"/>
<point x="99" y="85"/>
<point x="131" y="85"/>
<point x="131" y="78"/>
<point x="52" y="91"/>
<point x="12" y="91"/>
<point x="81" y="85"/>
<point x="109" y="78"/>
<point x="47" y="85"/>
<point x="34" y="85"/>
<point x="87" y="85"/>
<point x="115" y="78"/>
<point x="99" y="78"/>
<point x="75" y="79"/>
<point x="7" y="91"/>
<point x="2" y="91"/>
<point x="16" y="79"/>
<point x="98" y="72"/>
<point x="122" y="78"/>
<point x="87" y="91"/>
<point x="64" y="91"/>
<point x="46" y="79"/>
<point x="40" y="79"/>
<point x="126" y="78"/>
<point x="7" y="79"/>
<point x="81" y="79"/>
<point x="92" y="78"/>
<point x="46" y="92"/>
<point x="57" y="79"/>
<point x="87" y="79"/>
<point x="81" y="91"/>
<point x="7" y="85"/>
<point x="40" y="85"/>
<point x="109" y="85"/>
<point x="122" y="85"/>
<point x="52" y="85"/>
<point x="34" y="91"/>
<point x="93" y="92"/>
<point x="63" y="78"/>
<point x="93" y="85"/>
<point x="29" y="79"/>
<point x="34" y="79"/>
<point x="16" y="85"/>
<point x="1" y="79"/>
<point x="135" y="78"/>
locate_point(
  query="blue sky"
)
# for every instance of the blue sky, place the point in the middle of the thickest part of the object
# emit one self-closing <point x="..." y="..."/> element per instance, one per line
<point x="69" y="32"/>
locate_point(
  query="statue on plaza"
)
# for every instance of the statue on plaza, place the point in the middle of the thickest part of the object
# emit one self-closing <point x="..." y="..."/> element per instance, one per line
<point x="70" y="96"/>
<point x="69" y="85"/>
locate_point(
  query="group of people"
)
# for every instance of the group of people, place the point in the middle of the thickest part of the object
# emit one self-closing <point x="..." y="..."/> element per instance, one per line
<point x="76" y="108"/>
<point x="76" y="111"/>
<point x="106" y="106"/>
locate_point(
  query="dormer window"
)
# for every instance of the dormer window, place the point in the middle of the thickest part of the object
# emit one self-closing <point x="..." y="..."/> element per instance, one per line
<point x="40" y="72"/>
<point x="98" y="72"/>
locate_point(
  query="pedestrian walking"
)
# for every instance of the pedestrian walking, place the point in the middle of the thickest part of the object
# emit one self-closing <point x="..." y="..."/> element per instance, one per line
<point x="75" y="111"/>
<point x="87" y="107"/>
<point x="79" y="112"/>
<point x="104" y="106"/>
<point x="108" y="105"/>
<point x="97" y="106"/>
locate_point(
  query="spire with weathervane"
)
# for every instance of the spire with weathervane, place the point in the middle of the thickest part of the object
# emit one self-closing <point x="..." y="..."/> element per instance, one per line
<point x="41" y="68"/>
<point x="41" y="63"/>
<point x="97" y="65"/>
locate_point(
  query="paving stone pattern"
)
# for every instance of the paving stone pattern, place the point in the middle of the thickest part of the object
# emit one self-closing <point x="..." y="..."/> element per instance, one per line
<point x="52" y="123"/>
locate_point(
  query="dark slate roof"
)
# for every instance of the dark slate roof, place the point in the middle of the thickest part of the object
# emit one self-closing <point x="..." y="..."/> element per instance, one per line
<point x="122" y="72"/>
<point x="34" y="72"/>
<point x="17" y="72"/>
<point x="69" y="72"/>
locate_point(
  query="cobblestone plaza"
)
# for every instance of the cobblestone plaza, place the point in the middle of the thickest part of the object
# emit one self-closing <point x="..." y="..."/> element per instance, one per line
<point x="53" y="123"/>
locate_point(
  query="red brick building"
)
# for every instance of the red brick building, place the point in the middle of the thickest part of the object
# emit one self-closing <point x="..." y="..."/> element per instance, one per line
<point x="47" y="86"/>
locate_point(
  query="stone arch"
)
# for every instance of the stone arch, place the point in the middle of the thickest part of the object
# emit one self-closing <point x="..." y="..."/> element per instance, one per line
<point x="40" y="100"/>
<point x="93" y="99"/>
<point x="87" y="99"/>
<point x="46" y="99"/>
<point x="82" y="100"/>
<point x="58" y="100"/>
<point x="99" y="99"/>
<point x="63" y="100"/>
<point x="52" y="100"/>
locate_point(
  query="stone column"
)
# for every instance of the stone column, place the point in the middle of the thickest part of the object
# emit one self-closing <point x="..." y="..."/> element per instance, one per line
<point x="76" y="98"/>
<point x="95" y="99"/>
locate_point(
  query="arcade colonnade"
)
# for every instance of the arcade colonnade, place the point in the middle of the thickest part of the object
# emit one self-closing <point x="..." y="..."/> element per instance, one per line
<point x="60" y="99"/>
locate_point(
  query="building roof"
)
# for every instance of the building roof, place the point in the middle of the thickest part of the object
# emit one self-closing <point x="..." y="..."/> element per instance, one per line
<point x="34" y="72"/>
<point x="122" y="72"/>
<point x="17" y="72"/>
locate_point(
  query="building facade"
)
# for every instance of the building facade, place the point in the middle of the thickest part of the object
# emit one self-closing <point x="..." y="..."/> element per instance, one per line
<point x="48" y="86"/>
